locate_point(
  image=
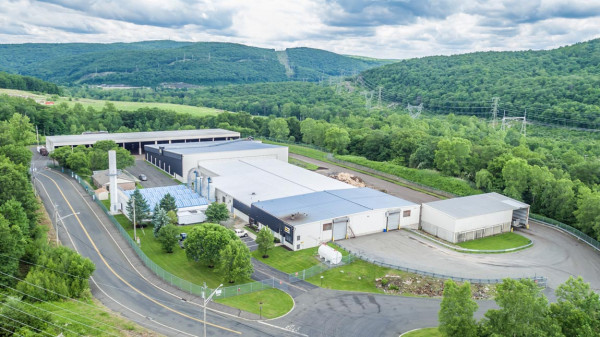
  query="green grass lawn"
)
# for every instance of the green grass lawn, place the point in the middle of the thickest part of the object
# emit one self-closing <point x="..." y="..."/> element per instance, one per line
<point x="96" y="321"/>
<point x="426" y="332"/>
<point x="301" y="150"/>
<point x="356" y="276"/>
<point x="275" y="302"/>
<point x="289" y="261"/>
<point x="127" y="106"/>
<point x="304" y="165"/>
<point x="500" y="241"/>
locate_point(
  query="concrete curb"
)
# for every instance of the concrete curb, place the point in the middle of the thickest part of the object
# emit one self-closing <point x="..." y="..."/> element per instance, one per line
<point x="467" y="250"/>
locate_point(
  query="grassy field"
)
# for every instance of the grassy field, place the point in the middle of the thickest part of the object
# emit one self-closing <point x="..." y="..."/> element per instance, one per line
<point x="426" y="332"/>
<point x="274" y="302"/>
<point x="292" y="261"/>
<point x="356" y="276"/>
<point x="127" y="106"/>
<point x="91" y="320"/>
<point x="500" y="241"/>
<point x="304" y="165"/>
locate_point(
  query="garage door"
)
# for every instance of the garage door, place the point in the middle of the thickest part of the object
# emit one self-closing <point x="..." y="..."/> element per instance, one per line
<point x="393" y="221"/>
<point x="339" y="228"/>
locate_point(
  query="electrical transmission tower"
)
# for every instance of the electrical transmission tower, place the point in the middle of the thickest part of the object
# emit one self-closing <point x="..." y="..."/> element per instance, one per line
<point x="414" y="110"/>
<point x="494" y="110"/>
<point x="379" y="98"/>
<point x="506" y="123"/>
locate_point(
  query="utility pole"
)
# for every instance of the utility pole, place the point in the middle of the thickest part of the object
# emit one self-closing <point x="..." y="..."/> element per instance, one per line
<point x="207" y="300"/>
<point x="134" y="224"/>
<point x="494" y="110"/>
<point x="524" y="125"/>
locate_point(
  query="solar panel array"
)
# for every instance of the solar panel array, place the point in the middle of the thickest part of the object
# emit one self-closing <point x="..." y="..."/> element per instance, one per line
<point x="184" y="197"/>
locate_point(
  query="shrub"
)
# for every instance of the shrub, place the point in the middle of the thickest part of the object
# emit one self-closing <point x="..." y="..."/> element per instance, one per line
<point x="384" y="282"/>
<point x="393" y="287"/>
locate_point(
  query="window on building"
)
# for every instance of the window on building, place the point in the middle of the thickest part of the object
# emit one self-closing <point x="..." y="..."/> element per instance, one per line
<point x="298" y="238"/>
<point x="297" y="246"/>
<point x="326" y="226"/>
<point x="406" y="214"/>
<point x="223" y="198"/>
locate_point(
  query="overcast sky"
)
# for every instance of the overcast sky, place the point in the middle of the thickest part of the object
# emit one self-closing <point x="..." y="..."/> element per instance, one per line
<point x="377" y="28"/>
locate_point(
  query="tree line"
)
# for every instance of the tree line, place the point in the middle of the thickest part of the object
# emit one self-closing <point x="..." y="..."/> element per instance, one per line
<point x="523" y="311"/>
<point x="10" y="81"/>
<point x="31" y="269"/>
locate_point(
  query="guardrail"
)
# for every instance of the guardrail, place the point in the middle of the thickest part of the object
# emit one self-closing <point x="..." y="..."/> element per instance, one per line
<point x="168" y="277"/>
<point x="540" y="280"/>
<point x="567" y="229"/>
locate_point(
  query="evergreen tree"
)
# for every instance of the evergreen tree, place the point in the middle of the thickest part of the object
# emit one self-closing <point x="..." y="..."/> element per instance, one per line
<point x="142" y="210"/>
<point x="159" y="220"/>
<point x="168" y="203"/>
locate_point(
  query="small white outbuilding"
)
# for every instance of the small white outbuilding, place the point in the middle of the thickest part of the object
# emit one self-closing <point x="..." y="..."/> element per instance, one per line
<point x="473" y="217"/>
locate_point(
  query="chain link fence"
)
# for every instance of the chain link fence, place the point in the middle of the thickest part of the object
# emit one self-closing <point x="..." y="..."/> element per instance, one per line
<point x="318" y="269"/>
<point x="540" y="280"/>
<point x="168" y="277"/>
<point x="566" y="228"/>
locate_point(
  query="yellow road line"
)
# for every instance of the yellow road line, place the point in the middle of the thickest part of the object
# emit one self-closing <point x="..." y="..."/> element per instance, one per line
<point x="119" y="276"/>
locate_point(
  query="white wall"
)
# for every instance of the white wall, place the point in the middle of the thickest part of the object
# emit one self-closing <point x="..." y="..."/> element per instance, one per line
<point x="364" y="223"/>
<point x="411" y="221"/>
<point x="483" y="221"/>
<point x="437" y="218"/>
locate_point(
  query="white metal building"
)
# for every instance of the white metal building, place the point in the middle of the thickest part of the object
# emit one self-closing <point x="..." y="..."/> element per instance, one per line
<point x="307" y="220"/>
<point x="473" y="217"/>
<point x="135" y="141"/>
<point x="181" y="160"/>
<point x="190" y="206"/>
<point x="239" y="183"/>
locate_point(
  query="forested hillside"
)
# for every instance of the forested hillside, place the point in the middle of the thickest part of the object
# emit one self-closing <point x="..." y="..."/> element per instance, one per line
<point x="10" y="81"/>
<point x="154" y="62"/>
<point x="559" y="87"/>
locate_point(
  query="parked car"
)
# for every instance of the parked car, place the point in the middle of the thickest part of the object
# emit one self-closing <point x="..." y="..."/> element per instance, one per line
<point x="143" y="177"/>
<point x="241" y="233"/>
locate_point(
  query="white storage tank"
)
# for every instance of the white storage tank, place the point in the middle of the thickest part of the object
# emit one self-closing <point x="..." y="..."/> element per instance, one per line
<point x="329" y="254"/>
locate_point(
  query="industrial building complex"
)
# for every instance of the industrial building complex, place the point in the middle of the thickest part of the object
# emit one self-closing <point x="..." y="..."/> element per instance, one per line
<point x="303" y="208"/>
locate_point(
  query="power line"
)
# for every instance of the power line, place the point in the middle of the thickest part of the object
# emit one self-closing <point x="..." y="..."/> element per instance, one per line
<point x="25" y="324"/>
<point x="36" y="317"/>
<point x="67" y="310"/>
<point x="12" y="332"/>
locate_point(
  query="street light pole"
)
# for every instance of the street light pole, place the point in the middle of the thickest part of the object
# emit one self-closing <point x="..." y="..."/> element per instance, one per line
<point x="134" y="224"/>
<point x="216" y="291"/>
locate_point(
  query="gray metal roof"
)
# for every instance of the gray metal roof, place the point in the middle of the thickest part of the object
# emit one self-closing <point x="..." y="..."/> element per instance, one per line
<point x="217" y="146"/>
<point x="142" y="136"/>
<point x="474" y="205"/>
<point x="311" y="207"/>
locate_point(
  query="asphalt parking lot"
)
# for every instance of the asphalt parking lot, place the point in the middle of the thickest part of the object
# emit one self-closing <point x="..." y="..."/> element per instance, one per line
<point x="155" y="177"/>
<point x="252" y="245"/>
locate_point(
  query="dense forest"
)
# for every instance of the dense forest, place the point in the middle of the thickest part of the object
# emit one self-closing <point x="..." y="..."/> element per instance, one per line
<point x="10" y="81"/>
<point x="154" y="62"/>
<point x="32" y="270"/>
<point x="558" y="87"/>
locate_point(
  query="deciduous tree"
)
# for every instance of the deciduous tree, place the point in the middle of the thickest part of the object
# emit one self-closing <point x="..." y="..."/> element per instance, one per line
<point x="205" y="242"/>
<point x="167" y="236"/>
<point x="235" y="263"/>
<point x="216" y="212"/>
<point x="457" y="310"/>
<point x="264" y="240"/>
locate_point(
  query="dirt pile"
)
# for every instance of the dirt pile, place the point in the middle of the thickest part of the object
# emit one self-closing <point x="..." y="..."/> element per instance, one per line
<point x="427" y="286"/>
<point x="348" y="179"/>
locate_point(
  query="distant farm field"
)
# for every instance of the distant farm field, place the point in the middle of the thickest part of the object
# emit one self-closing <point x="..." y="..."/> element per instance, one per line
<point x="127" y="106"/>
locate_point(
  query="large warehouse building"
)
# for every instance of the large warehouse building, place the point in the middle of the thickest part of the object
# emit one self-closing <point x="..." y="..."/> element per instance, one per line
<point x="307" y="220"/>
<point x="135" y="141"/>
<point x="473" y="217"/>
<point x="181" y="159"/>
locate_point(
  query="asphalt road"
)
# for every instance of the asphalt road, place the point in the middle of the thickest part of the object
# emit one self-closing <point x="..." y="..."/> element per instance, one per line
<point x="155" y="177"/>
<point x="120" y="280"/>
<point x="376" y="183"/>
<point x="554" y="254"/>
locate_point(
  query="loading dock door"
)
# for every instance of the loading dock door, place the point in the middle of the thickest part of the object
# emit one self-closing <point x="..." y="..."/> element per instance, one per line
<point x="339" y="228"/>
<point x="393" y="221"/>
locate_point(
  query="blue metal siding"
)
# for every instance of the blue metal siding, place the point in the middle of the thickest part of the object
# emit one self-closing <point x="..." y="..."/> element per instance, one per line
<point x="275" y="224"/>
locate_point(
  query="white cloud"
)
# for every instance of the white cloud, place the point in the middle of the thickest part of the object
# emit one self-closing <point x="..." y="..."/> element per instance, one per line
<point x="371" y="28"/>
